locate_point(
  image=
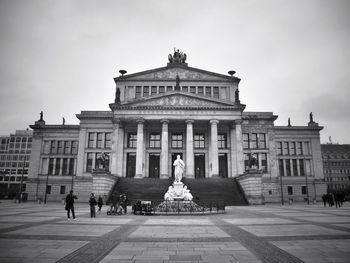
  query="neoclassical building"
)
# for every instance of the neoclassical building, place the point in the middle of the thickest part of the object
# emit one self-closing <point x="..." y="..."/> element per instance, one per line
<point x="176" y="110"/>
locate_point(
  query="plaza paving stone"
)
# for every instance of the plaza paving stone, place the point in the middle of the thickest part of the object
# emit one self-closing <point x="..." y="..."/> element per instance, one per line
<point x="31" y="232"/>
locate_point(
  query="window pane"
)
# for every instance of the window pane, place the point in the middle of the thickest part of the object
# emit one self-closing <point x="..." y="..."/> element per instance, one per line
<point x="285" y="148"/>
<point x="74" y="147"/>
<point x="153" y="90"/>
<point x="262" y="141"/>
<point x="185" y="88"/>
<point x="253" y="141"/>
<point x="292" y="148"/>
<point x="53" y="147"/>
<point x="295" y="167"/>
<point x="145" y="91"/>
<point x="154" y="141"/>
<point x="108" y="143"/>
<point x="216" y="92"/>
<point x="193" y="89"/>
<point x="222" y="141"/>
<point x="90" y="157"/>
<point x="199" y="141"/>
<point x="263" y="157"/>
<point x="208" y="91"/>
<point x="176" y="140"/>
<point x="138" y="92"/>
<point x="91" y="140"/>
<point x="279" y="148"/>
<point x="288" y="171"/>
<point x="99" y="139"/>
<point x="200" y="90"/>
<point x="245" y="140"/>
<point x="132" y="140"/>
<point x="58" y="166"/>
<point x="67" y="147"/>
<point x="161" y="89"/>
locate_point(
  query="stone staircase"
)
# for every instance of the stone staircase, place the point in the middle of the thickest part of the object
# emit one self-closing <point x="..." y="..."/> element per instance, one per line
<point x="221" y="190"/>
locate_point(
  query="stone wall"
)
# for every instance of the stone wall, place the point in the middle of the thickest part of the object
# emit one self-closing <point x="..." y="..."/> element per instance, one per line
<point x="102" y="184"/>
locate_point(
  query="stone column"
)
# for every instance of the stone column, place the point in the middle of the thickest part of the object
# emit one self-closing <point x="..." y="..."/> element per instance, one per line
<point x="233" y="151"/>
<point x="81" y="161"/>
<point x="189" y="165"/>
<point x="164" y="162"/>
<point x="239" y="147"/>
<point x="214" y="148"/>
<point x="139" y="150"/>
<point x="113" y="157"/>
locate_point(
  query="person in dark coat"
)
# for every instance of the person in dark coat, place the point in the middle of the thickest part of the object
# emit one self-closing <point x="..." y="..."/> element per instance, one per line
<point x="92" y="203"/>
<point x="70" y="204"/>
<point x="99" y="203"/>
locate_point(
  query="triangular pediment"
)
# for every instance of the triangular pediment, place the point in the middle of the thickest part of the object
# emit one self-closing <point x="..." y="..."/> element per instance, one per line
<point x="171" y="72"/>
<point x="178" y="99"/>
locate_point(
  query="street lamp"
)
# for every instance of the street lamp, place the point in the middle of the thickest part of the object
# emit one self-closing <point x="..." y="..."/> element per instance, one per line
<point x="282" y="201"/>
<point x="307" y="188"/>
<point x="20" y="187"/>
<point x="47" y="182"/>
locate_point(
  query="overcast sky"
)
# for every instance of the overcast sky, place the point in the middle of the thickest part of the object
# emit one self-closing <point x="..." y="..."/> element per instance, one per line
<point x="61" y="56"/>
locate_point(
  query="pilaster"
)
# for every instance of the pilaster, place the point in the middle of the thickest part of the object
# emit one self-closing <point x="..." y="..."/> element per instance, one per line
<point x="214" y="148"/>
<point x="189" y="165"/>
<point x="140" y="149"/>
<point x="164" y="173"/>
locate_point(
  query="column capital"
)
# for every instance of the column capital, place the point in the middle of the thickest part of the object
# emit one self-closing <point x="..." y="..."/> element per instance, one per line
<point x="116" y="120"/>
<point x="213" y="122"/>
<point x="140" y="121"/>
<point x="189" y="121"/>
<point x="238" y="122"/>
<point x="164" y="121"/>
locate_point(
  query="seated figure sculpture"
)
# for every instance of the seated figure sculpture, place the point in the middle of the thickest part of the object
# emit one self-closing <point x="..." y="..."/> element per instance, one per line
<point x="187" y="195"/>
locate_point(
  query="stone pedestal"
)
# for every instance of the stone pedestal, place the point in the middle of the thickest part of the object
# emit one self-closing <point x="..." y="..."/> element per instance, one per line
<point x="178" y="189"/>
<point x="102" y="182"/>
<point x="251" y="183"/>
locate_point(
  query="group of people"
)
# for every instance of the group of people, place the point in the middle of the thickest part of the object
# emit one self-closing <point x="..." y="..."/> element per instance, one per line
<point x="119" y="205"/>
<point x="69" y="201"/>
<point x="336" y="198"/>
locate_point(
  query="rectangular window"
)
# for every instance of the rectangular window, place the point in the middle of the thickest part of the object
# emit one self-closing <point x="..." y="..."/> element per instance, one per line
<point x="108" y="143"/>
<point x="145" y="91"/>
<point x="288" y="171"/>
<point x="246" y="162"/>
<point x="53" y="149"/>
<point x="292" y="148"/>
<point x="74" y="147"/>
<point x="91" y="140"/>
<point x="199" y="141"/>
<point x="63" y="190"/>
<point x="279" y="148"/>
<point x="71" y="166"/>
<point x="208" y="91"/>
<point x="301" y="167"/>
<point x="306" y="148"/>
<point x="263" y="157"/>
<point x="303" y="190"/>
<point x="138" y="92"/>
<point x="185" y="88"/>
<point x="253" y="141"/>
<point x="176" y="140"/>
<point x="286" y="148"/>
<point x="169" y="88"/>
<point x="299" y="148"/>
<point x="200" y="90"/>
<point x="60" y="147"/>
<point x="222" y="141"/>
<point x="58" y="166"/>
<point x="193" y="89"/>
<point x="132" y="140"/>
<point x="161" y="89"/>
<point x="50" y="170"/>
<point x="90" y="157"/>
<point x="245" y="141"/>
<point x="262" y="141"/>
<point x="290" y="190"/>
<point x="153" y="90"/>
<point x="99" y="139"/>
<point x="216" y="92"/>
<point x="67" y="147"/>
<point x="65" y="166"/>
<point x="295" y="167"/>
<point x="154" y="141"/>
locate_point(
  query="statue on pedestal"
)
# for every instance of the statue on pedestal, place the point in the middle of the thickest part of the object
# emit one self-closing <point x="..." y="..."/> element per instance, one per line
<point x="179" y="169"/>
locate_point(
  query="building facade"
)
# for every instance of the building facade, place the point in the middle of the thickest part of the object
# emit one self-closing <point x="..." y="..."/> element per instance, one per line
<point x="336" y="162"/>
<point x="15" y="151"/>
<point x="176" y="110"/>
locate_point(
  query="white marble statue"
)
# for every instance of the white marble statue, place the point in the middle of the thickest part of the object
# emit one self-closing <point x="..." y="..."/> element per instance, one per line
<point x="187" y="195"/>
<point x="169" y="195"/>
<point x="179" y="169"/>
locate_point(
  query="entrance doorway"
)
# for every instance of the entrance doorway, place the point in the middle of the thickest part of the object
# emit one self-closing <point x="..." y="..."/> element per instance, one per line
<point x="130" y="165"/>
<point x="153" y="171"/>
<point x="223" y="165"/>
<point x="199" y="165"/>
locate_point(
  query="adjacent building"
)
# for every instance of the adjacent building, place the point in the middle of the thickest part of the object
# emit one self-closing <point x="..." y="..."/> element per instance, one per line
<point x="176" y="110"/>
<point x="336" y="162"/>
<point x="15" y="151"/>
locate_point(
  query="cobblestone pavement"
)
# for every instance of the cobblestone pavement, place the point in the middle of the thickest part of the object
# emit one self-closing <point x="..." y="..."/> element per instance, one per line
<point x="31" y="232"/>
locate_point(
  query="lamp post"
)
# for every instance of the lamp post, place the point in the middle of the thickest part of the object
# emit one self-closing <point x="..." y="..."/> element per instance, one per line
<point x="307" y="188"/>
<point x="282" y="201"/>
<point x="47" y="182"/>
<point x="20" y="187"/>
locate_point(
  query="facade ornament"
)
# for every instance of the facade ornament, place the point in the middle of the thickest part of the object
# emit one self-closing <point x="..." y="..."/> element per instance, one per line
<point x="237" y="96"/>
<point x="179" y="169"/>
<point x="103" y="159"/>
<point x="117" y="96"/>
<point x="177" y="86"/>
<point x="178" y="57"/>
<point x="253" y="162"/>
<point x="311" y="117"/>
<point x="289" y="125"/>
<point x="41" y="116"/>
<point x="63" y="121"/>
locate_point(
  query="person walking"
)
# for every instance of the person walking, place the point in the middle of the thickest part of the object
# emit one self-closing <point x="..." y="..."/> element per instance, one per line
<point x="99" y="203"/>
<point x="70" y="204"/>
<point x="92" y="202"/>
